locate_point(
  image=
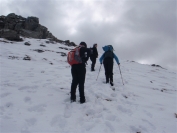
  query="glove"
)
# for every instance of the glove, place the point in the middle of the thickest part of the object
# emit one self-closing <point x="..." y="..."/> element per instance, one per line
<point x="101" y="63"/>
<point x="118" y="63"/>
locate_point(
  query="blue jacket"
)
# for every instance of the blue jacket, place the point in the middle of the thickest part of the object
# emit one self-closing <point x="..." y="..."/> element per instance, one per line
<point x="106" y="48"/>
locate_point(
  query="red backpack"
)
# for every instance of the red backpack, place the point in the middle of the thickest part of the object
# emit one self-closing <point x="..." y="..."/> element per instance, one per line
<point x="74" y="56"/>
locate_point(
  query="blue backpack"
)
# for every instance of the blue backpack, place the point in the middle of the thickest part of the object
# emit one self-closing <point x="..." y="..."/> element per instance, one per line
<point x="108" y="51"/>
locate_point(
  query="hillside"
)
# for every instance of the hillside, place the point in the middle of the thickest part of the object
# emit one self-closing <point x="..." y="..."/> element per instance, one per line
<point x="35" y="91"/>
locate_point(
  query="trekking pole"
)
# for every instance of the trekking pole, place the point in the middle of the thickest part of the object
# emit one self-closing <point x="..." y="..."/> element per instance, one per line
<point x="98" y="72"/>
<point x="121" y="74"/>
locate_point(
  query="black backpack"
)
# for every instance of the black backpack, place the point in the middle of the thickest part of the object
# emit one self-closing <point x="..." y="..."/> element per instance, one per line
<point x="108" y="54"/>
<point x="91" y="51"/>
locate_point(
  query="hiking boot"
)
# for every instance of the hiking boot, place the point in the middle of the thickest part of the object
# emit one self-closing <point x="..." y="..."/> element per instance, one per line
<point x="82" y="101"/>
<point x="112" y="84"/>
<point x="92" y="69"/>
<point x="73" y="101"/>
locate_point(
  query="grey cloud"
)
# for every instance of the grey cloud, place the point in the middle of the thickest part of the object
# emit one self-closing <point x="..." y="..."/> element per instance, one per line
<point x="140" y="30"/>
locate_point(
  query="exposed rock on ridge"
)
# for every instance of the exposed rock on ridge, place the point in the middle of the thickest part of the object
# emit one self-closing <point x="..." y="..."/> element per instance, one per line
<point x="13" y="26"/>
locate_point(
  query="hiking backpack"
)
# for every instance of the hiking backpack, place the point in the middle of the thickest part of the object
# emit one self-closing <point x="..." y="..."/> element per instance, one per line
<point x="91" y="51"/>
<point x="74" y="56"/>
<point x="109" y="54"/>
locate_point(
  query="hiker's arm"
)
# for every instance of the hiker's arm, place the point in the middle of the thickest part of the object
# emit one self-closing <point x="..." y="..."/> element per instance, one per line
<point x="116" y="58"/>
<point x="88" y="52"/>
<point x="96" y="53"/>
<point x="101" y="59"/>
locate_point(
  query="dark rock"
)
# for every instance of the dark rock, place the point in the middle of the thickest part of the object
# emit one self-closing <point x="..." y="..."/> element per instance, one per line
<point x="28" y="33"/>
<point x="31" y="23"/>
<point x="10" y="35"/>
<point x="27" y="43"/>
<point x="63" y="48"/>
<point x="27" y="58"/>
<point x="154" y="65"/>
<point x="19" y="26"/>
<point x="2" y="22"/>
<point x="67" y="41"/>
<point x="13" y="57"/>
<point x="42" y="45"/>
<point x="62" y="53"/>
<point x="39" y="50"/>
<point x="26" y="27"/>
<point x="73" y="44"/>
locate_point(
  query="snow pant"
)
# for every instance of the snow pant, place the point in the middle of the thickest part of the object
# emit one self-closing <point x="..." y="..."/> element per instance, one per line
<point x="78" y="72"/>
<point x="108" y="67"/>
<point x="93" y="59"/>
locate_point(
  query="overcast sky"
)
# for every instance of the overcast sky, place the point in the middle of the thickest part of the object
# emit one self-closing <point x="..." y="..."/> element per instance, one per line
<point x="140" y="30"/>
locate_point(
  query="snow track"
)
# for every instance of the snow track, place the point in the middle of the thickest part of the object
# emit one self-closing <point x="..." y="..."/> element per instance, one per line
<point x="34" y="95"/>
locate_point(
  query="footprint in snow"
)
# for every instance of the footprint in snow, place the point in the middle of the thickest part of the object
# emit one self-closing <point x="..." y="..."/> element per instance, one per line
<point x="135" y="129"/>
<point x="124" y="110"/>
<point x="110" y="127"/>
<point x="31" y="121"/>
<point x="9" y="105"/>
<point x="113" y="94"/>
<point x="89" y="126"/>
<point x="148" y="114"/>
<point x="25" y="130"/>
<point x="67" y="112"/>
<point x="58" y="121"/>
<point x="28" y="88"/>
<point x="110" y="117"/>
<point x="38" y="108"/>
<point x="150" y="124"/>
<point x="5" y="94"/>
<point x="27" y="99"/>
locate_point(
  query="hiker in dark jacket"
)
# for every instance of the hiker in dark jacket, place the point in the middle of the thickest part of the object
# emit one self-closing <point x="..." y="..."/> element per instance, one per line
<point x="78" y="72"/>
<point x="93" y="56"/>
<point x="107" y="60"/>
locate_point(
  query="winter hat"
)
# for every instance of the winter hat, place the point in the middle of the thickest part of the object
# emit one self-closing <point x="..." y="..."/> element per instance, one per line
<point x="108" y="47"/>
<point x="94" y="44"/>
<point x="83" y="44"/>
<point x="111" y="47"/>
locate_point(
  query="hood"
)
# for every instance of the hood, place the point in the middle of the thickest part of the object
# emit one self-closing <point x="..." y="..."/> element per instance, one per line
<point x="107" y="48"/>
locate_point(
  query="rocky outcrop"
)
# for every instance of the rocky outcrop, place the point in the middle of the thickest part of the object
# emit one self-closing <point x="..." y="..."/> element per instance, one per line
<point x="20" y="26"/>
<point x="10" y="35"/>
<point x="13" y="26"/>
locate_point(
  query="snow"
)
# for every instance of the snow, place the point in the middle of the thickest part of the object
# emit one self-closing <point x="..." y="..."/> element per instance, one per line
<point x="35" y="94"/>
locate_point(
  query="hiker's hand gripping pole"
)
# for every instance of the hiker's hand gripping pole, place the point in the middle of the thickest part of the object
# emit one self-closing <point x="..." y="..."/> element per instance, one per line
<point x="99" y="71"/>
<point x="121" y="74"/>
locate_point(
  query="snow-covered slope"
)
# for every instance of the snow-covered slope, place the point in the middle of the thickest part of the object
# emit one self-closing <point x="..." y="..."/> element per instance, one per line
<point x="34" y="94"/>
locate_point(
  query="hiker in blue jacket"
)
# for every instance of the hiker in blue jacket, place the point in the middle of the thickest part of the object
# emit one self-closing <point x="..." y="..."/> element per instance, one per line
<point x="107" y="60"/>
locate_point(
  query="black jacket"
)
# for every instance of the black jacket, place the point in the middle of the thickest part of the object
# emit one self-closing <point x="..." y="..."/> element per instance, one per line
<point x="95" y="53"/>
<point x="84" y="54"/>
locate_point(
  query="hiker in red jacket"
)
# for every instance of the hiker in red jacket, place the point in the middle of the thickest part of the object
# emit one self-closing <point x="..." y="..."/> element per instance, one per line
<point x="78" y="72"/>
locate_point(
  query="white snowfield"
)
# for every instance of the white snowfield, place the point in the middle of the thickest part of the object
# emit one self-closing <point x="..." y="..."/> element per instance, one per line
<point x="35" y="94"/>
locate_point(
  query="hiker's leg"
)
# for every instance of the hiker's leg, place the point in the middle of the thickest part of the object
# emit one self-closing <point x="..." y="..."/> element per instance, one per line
<point x="82" y="74"/>
<point x="74" y="83"/>
<point x="111" y="72"/>
<point x="106" y="71"/>
<point x="93" y="64"/>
